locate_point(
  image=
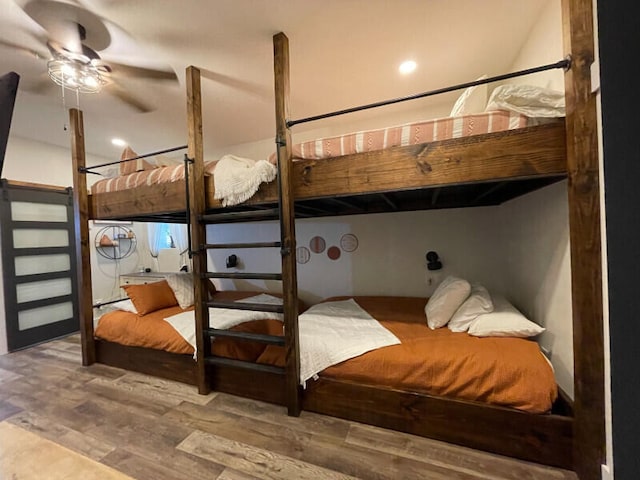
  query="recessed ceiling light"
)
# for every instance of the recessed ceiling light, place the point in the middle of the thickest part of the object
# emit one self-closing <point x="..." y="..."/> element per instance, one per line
<point x="118" y="142"/>
<point x="407" y="67"/>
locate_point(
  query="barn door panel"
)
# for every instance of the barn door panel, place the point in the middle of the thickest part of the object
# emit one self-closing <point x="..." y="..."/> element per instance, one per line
<point x="38" y="263"/>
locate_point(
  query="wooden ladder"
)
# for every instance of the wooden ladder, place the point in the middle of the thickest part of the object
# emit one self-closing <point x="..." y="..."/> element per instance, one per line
<point x="199" y="219"/>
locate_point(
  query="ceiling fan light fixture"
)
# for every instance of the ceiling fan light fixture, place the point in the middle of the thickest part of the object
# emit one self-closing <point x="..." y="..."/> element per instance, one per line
<point x="76" y="75"/>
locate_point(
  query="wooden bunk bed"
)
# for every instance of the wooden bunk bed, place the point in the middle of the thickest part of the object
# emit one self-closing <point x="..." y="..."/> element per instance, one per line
<point x="482" y="170"/>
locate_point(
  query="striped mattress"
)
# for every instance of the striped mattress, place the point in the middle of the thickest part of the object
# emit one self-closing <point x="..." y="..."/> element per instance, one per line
<point x="153" y="176"/>
<point x="410" y="134"/>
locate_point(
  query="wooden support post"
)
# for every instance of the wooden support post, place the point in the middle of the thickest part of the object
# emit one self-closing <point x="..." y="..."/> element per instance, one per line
<point x="586" y="255"/>
<point x="83" y="252"/>
<point x="287" y="223"/>
<point x="198" y="229"/>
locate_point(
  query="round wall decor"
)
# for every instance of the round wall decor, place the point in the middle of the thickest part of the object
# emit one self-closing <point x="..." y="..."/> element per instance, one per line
<point x="349" y="242"/>
<point x="115" y="242"/>
<point x="303" y="255"/>
<point x="317" y="244"/>
<point x="333" y="253"/>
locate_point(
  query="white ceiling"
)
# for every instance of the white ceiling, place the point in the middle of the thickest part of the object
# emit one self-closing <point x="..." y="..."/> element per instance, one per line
<point x="343" y="53"/>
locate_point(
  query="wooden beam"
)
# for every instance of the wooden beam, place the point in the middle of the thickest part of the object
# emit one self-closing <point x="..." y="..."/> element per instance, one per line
<point x="83" y="251"/>
<point x="143" y="200"/>
<point x="586" y="255"/>
<point x="198" y="229"/>
<point x="35" y="186"/>
<point x="287" y="223"/>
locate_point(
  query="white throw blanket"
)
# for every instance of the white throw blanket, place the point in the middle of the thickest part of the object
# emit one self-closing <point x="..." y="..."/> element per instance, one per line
<point x="237" y="179"/>
<point x="333" y="332"/>
<point x="223" y="318"/>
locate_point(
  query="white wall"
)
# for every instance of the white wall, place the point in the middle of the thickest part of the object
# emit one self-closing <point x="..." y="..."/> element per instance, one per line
<point x="389" y="260"/>
<point x="535" y="241"/>
<point x="544" y="45"/>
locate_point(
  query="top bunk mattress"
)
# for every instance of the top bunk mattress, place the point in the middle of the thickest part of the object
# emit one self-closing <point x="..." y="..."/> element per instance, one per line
<point x="423" y="131"/>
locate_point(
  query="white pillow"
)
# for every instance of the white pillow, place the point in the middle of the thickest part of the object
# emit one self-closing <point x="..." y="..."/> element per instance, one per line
<point x="182" y="286"/>
<point x="444" y="302"/>
<point x="472" y="100"/>
<point x="535" y="102"/>
<point x="479" y="302"/>
<point x="125" y="305"/>
<point x="504" y="321"/>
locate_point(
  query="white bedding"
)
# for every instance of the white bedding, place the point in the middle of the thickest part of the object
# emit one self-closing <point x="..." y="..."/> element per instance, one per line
<point x="332" y="332"/>
<point x="223" y="318"/>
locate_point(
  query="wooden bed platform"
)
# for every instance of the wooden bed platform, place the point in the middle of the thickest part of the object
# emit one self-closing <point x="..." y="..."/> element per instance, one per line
<point x="158" y="363"/>
<point x="473" y="171"/>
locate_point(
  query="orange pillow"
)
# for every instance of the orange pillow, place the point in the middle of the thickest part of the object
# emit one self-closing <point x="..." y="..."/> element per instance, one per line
<point x="150" y="297"/>
<point x="135" y="165"/>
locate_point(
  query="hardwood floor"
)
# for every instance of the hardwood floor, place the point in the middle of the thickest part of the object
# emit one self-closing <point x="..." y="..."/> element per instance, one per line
<point x="148" y="428"/>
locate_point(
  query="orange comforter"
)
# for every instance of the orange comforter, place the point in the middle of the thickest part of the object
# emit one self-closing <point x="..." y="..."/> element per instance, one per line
<point x="151" y="331"/>
<point x="510" y="372"/>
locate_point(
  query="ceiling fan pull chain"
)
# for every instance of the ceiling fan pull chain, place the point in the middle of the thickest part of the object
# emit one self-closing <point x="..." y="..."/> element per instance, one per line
<point x="64" y="109"/>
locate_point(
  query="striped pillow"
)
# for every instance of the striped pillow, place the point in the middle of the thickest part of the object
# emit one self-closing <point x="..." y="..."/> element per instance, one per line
<point x="182" y="286"/>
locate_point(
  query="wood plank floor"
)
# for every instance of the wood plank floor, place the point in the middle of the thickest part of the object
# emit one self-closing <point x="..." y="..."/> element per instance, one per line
<point x="148" y="428"/>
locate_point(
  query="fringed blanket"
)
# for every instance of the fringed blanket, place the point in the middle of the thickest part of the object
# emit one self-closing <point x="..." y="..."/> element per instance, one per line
<point x="237" y="179"/>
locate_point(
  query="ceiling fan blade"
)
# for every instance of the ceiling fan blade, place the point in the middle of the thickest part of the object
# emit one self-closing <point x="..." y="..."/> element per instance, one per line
<point x="69" y="24"/>
<point x="119" y="92"/>
<point x="141" y="72"/>
<point x="27" y="50"/>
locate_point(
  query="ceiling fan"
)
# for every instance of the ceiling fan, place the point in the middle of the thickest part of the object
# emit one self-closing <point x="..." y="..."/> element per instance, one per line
<point x="73" y="38"/>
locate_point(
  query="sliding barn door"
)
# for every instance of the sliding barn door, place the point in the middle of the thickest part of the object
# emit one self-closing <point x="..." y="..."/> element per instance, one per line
<point x="38" y="263"/>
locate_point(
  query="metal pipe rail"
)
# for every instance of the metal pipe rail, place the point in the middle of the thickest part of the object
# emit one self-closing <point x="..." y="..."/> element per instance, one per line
<point x="117" y="162"/>
<point x="564" y="64"/>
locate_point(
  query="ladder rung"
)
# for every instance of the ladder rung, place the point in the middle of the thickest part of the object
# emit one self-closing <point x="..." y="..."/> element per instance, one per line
<point x="247" y="336"/>
<point x="256" y="307"/>
<point x="247" y="215"/>
<point x="242" y="245"/>
<point x="229" y="362"/>
<point x="245" y="276"/>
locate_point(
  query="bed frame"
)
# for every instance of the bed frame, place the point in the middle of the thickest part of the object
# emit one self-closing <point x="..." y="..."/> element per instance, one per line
<point x="482" y="170"/>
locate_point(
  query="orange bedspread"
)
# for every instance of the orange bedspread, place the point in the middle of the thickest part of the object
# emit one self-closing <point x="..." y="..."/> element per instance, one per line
<point x="151" y="331"/>
<point x="510" y="372"/>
